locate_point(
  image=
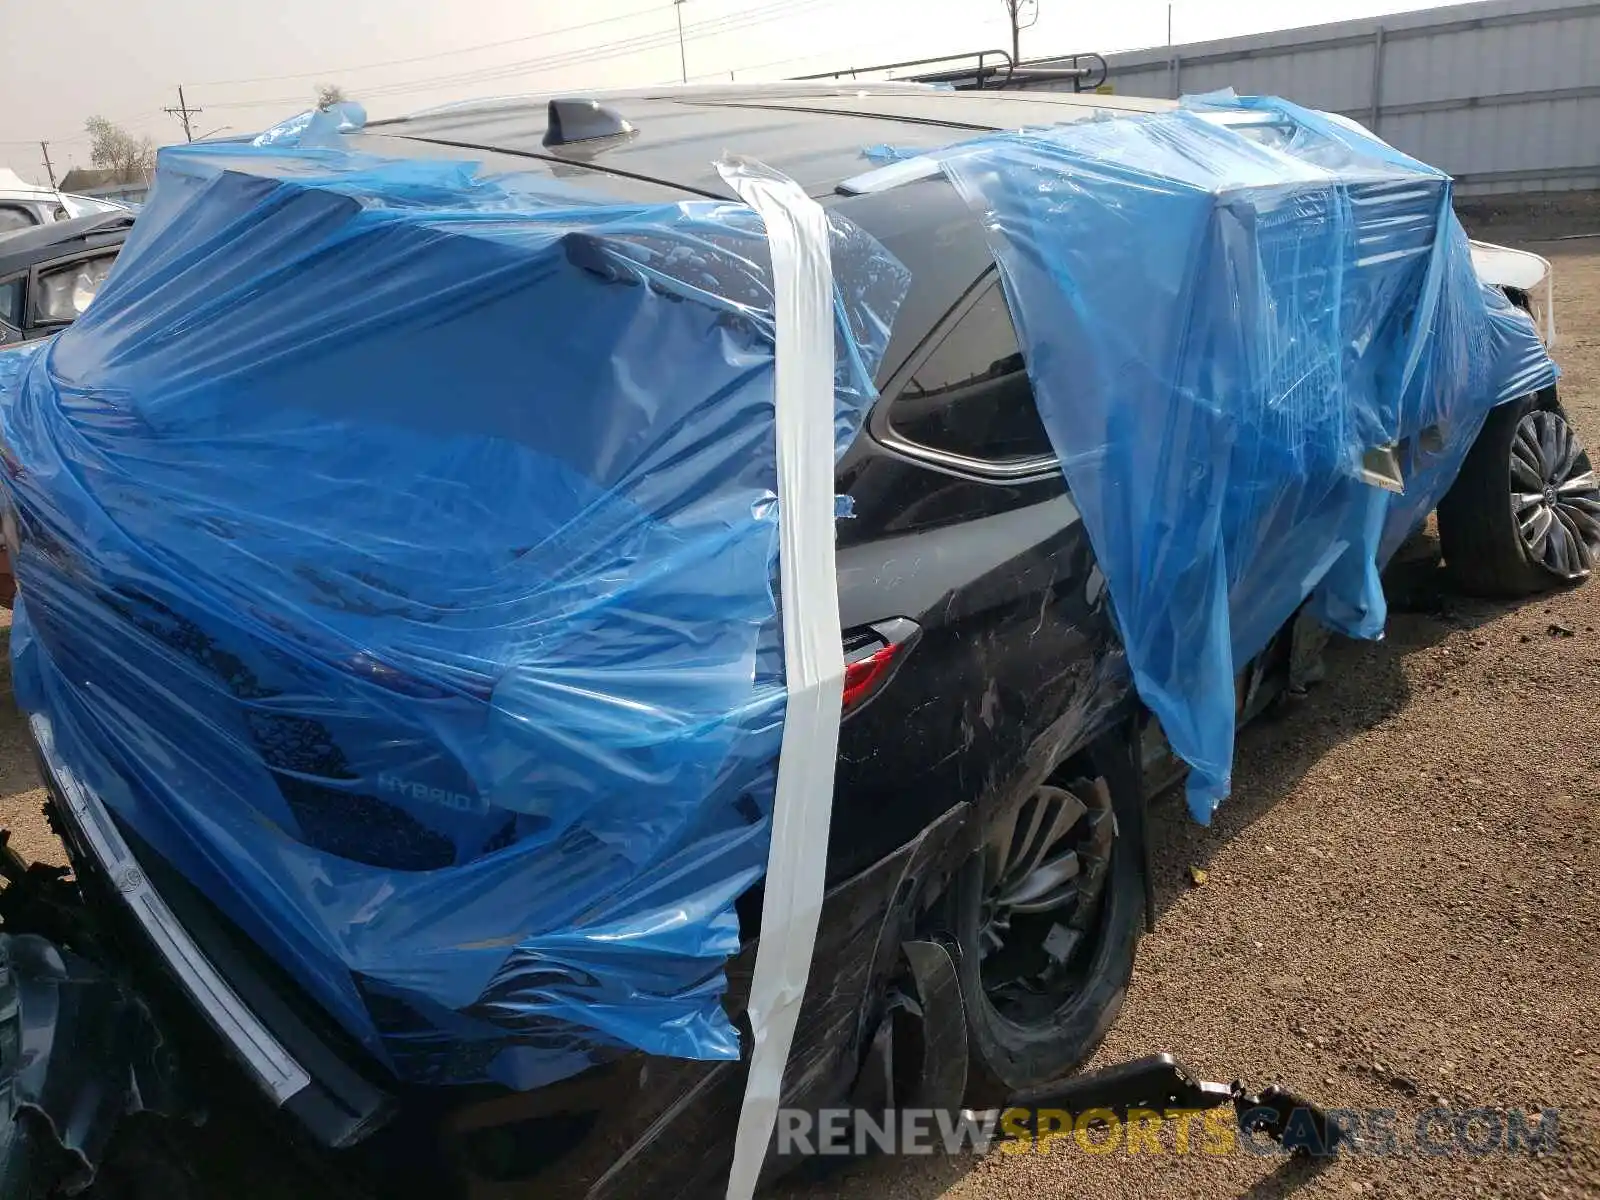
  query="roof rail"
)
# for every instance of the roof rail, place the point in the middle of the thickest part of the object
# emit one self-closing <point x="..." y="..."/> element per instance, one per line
<point x="988" y="65"/>
<point x="1087" y="71"/>
<point x="986" y="69"/>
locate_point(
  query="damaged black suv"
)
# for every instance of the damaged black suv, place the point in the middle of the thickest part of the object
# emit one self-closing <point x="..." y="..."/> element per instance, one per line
<point x="987" y="880"/>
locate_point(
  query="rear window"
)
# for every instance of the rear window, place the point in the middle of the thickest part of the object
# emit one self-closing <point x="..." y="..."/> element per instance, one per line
<point x="66" y="291"/>
<point x="971" y="395"/>
<point x="13" y="217"/>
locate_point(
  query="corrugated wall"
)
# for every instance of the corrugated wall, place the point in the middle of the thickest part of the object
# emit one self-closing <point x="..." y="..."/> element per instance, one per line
<point x="1504" y="95"/>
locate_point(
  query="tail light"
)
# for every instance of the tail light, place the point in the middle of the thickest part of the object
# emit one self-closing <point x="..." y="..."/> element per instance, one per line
<point x="862" y="677"/>
<point x="872" y="653"/>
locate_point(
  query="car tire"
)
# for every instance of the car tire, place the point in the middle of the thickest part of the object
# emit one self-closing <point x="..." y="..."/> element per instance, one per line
<point x="33" y="1165"/>
<point x="149" y="1160"/>
<point x="1006" y="1054"/>
<point x="1523" y="515"/>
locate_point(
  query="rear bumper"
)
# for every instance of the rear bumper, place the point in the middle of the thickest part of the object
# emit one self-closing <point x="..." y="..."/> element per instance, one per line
<point x="273" y="1067"/>
<point x="204" y="970"/>
<point x="636" y="1124"/>
<point x="215" y="999"/>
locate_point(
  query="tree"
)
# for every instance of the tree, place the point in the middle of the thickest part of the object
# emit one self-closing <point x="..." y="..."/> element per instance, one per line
<point x="1023" y="14"/>
<point x="113" y="147"/>
<point x="329" y="94"/>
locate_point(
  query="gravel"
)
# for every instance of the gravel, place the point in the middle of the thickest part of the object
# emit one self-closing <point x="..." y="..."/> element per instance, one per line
<point x="1399" y="905"/>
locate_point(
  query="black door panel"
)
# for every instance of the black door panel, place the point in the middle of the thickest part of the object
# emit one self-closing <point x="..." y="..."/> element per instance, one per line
<point x="1016" y="638"/>
<point x="1015" y="634"/>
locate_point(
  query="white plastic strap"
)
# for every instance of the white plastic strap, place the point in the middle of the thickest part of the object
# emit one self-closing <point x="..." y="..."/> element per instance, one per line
<point x="881" y="179"/>
<point x="813" y="651"/>
<point x="1550" y="334"/>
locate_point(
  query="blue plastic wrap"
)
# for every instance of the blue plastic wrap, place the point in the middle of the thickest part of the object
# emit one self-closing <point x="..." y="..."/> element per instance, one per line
<point x="397" y="547"/>
<point x="317" y="127"/>
<point x="397" y="541"/>
<point x="1222" y="308"/>
<point x="886" y="154"/>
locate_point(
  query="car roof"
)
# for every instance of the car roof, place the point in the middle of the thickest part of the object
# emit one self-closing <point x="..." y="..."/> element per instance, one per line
<point x="815" y="133"/>
<point x="24" y="248"/>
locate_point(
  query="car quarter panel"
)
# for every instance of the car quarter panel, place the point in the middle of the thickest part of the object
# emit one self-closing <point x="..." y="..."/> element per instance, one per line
<point x="1017" y="642"/>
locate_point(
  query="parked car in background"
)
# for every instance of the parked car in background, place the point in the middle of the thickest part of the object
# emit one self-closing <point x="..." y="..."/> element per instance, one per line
<point x="49" y="275"/>
<point x="24" y="205"/>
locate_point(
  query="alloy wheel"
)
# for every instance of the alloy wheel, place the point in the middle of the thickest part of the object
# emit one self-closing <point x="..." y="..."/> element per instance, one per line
<point x="1555" y="494"/>
<point x="1044" y="876"/>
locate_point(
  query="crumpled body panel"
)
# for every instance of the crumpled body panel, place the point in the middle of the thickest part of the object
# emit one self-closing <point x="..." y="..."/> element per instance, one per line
<point x="397" y="548"/>
<point x="1222" y="309"/>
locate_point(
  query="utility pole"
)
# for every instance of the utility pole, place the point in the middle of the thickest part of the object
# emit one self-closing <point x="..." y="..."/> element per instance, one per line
<point x="1169" y="27"/>
<point x="49" y="169"/>
<point x="183" y="112"/>
<point x="683" y="61"/>
<point x="1014" y="10"/>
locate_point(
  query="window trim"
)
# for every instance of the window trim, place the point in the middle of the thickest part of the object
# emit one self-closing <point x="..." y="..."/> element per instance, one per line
<point x="5" y="322"/>
<point x="31" y="317"/>
<point x="25" y="210"/>
<point x="1017" y="470"/>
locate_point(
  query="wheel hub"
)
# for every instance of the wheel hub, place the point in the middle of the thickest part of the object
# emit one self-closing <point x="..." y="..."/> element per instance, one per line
<point x="1044" y="871"/>
<point x="1555" y="496"/>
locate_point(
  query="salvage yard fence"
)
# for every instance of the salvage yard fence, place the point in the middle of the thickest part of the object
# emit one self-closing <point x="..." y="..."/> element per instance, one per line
<point x="1505" y="95"/>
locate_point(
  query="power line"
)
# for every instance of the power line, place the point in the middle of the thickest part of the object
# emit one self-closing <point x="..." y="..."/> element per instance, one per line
<point x="76" y="138"/>
<point x="398" y="62"/>
<point x="729" y="23"/>
<point x="880" y="47"/>
<point x="627" y="46"/>
<point x="715" y="27"/>
<point x="80" y="137"/>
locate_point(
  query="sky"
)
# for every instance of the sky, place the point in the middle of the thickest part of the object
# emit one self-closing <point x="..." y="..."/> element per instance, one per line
<point x="248" y="65"/>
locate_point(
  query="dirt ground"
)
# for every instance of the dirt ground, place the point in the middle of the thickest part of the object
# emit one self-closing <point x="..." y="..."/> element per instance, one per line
<point x="1401" y="906"/>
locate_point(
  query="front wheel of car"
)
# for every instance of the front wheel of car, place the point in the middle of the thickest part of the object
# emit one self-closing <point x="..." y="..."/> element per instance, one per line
<point x="1523" y="515"/>
<point x="1048" y="916"/>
